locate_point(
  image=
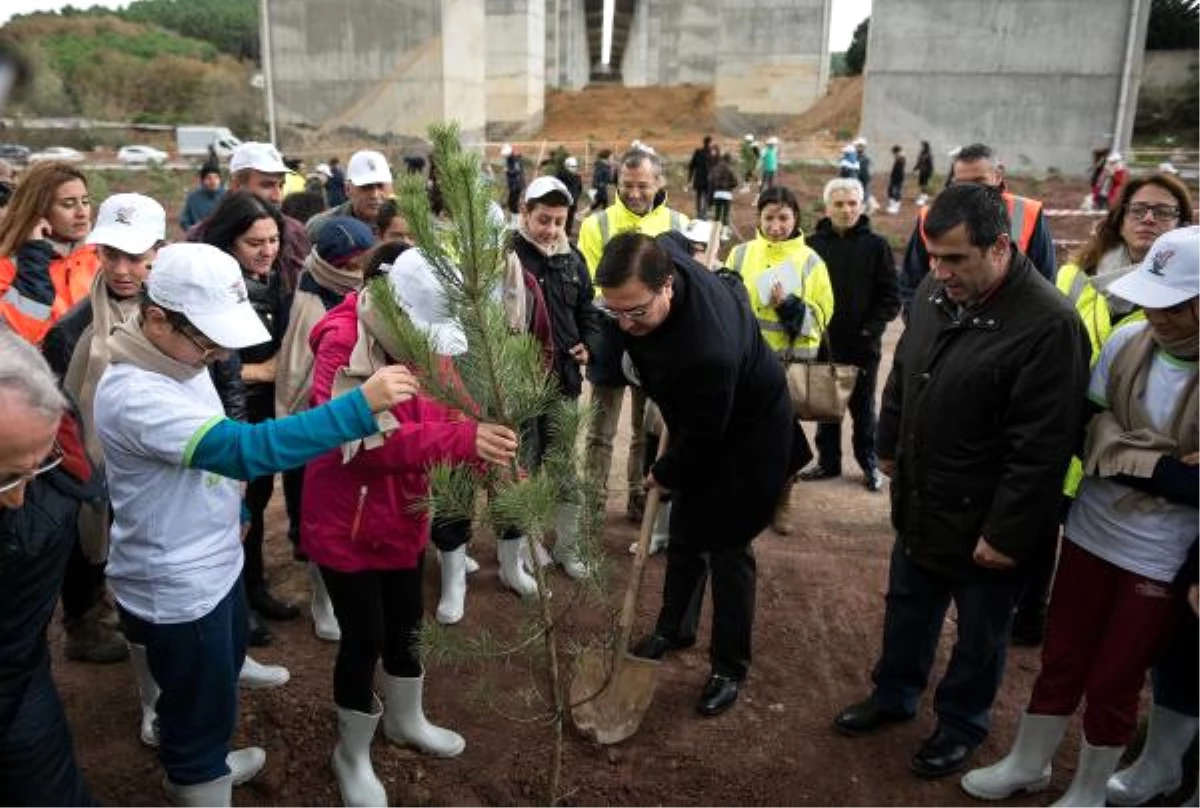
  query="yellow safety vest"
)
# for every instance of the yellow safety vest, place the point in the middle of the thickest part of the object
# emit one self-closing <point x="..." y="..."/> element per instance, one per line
<point x="811" y="281"/>
<point x="601" y="226"/>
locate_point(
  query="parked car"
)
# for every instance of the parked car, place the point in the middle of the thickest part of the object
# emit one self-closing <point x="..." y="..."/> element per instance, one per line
<point x="141" y="155"/>
<point x="64" y="153"/>
<point x="14" y="152"/>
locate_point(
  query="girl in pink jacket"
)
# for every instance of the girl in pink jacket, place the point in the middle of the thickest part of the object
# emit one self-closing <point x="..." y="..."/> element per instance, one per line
<point x="362" y="526"/>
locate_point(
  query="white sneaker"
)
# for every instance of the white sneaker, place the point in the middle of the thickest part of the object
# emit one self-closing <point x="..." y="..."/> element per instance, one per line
<point x="256" y="676"/>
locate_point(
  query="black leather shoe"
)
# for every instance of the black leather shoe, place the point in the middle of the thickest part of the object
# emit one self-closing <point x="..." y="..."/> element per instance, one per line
<point x="941" y="754"/>
<point x="263" y="602"/>
<point x="257" y="633"/>
<point x="818" y="472"/>
<point x="653" y="646"/>
<point x="866" y="716"/>
<point x="718" y="696"/>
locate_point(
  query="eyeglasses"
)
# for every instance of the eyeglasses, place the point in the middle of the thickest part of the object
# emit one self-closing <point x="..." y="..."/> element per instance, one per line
<point x="10" y="482"/>
<point x="633" y="315"/>
<point x="206" y="351"/>
<point x="1161" y="213"/>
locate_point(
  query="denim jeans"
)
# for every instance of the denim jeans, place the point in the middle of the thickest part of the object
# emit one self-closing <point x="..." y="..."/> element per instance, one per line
<point x="196" y="666"/>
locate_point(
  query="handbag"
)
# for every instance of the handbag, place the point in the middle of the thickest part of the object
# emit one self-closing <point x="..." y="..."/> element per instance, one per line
<point x="820" y="389"/>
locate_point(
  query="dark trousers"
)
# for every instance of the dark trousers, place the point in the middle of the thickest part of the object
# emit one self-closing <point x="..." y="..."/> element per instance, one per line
<point x="1178" y="669"/>
<point x="82" y="586"/>
<point x="721" y="210"/>
<point x="37" y="759"/>
<point x="293" y="494"/>
<point x="259" y="407"/>
<point x="196" y="666"/>
<point x="733" y="574"/>
<point x="701" y="203"/>
<point x="379" y="612"/>
<point x="917" y="599"/>
<point x="449" y="534"/>
<point x="863" y="417"/>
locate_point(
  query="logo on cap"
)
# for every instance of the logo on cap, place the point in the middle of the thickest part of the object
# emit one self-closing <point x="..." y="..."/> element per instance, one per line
<point x="124" y="215"/>
<point x="239" y="291"/>
<point x="1160" y="262"/>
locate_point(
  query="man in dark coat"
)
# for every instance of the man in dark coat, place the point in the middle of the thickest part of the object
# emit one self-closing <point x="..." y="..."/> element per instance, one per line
<point x="693" y="345"/>
<point x="981" y="413"/>
<point x="863" y="275"/>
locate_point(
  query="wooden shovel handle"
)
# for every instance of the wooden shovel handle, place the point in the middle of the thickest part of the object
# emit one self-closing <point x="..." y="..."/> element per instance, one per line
<point x="629" y="608"/>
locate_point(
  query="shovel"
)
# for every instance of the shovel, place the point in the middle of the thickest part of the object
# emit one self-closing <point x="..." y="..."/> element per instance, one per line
<point x="612" y="689"/>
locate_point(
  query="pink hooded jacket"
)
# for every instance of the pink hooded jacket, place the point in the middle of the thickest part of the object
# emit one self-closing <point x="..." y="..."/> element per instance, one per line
<point x="362" y="515"/>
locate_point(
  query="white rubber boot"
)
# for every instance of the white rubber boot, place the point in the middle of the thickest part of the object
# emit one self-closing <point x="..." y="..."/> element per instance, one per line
<point x="1027" y="765"/>
<point x="512" y="570"/>
<point x="352" y="759"/>
<point x="217" y="792"/>
<point x="245" y="764"/>
<point x="404" y="718"/>
<point x="147" y="694"/>
<point x="454" y="586"/>
<point x="325" y="624"/>
<point x="1096" y="765"/>
<point x="566" y="542"/>
<point x="256" y="676"/>
<point x="662" y="531"/>
<point x="1159" y="768"/>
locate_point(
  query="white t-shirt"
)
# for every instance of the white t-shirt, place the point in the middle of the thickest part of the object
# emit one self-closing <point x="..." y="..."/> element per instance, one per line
<point x="176" y="548"/>
<point x="1153" y="544"/>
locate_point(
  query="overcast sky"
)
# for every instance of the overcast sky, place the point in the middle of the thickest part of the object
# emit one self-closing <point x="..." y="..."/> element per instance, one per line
<point x="847" y="14"/>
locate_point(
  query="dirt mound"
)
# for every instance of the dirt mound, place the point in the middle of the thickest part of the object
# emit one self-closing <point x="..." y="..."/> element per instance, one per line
<point x="837" y="115"/>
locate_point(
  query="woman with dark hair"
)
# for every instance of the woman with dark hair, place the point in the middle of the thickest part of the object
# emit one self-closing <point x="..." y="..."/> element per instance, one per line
<point x="790" y="293"/>
<point x="252" y="231"/>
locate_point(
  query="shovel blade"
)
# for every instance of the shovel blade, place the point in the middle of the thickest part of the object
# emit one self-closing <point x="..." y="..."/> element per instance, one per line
<point x="609" y="712"/>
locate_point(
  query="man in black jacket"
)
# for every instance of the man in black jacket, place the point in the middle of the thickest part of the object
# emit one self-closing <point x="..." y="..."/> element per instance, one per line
<point x="863" y="275"/>
<point x="981" y="413"/>
<point x="44" y="476"/>
<point x="698" y="170"/>
<point x="695" y="348"/>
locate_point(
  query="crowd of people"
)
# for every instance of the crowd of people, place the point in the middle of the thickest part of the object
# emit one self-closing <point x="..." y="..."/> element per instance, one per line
<point x="1038" y="424"/>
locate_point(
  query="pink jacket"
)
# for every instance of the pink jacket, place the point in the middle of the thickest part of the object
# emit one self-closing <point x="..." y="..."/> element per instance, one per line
<point x="362" y="515"/>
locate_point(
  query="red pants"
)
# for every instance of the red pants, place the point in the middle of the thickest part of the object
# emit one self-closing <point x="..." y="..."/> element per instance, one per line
<point x="1106" y="628"/>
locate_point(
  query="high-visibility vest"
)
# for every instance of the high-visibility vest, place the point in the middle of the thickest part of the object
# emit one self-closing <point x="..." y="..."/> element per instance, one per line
<point x="72" y="278"/>
<point x="1022" y="216"/>
<point x="752" y="259"/>
<point x="600" y="227"/>
<point x="1091" y="305"/>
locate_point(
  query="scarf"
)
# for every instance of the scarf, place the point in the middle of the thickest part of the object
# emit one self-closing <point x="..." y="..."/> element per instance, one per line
<point x="293" y="374"/>
<point x="1122" y="439"/>
<point x="370" y="353"/>
<point x="1114" y="265"/>
<point x="560" y="245"/>
<point x="513" y="294"/>
<point x="91" y="356"/>
<point x="128" y="344"/>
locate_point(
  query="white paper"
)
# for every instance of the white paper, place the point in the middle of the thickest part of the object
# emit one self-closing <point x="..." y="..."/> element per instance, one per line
<point x="784" y="274"/>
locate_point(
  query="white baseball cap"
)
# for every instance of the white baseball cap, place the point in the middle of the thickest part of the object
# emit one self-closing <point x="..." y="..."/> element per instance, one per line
<point x="1169" y="274"/>
<point x="205" y="284"/>
<point x="547" y="185"/>
<point x="571" y="162"/>
<point x="263" y="157"/>
<point x="324" y="170"/>
<point x="416" y="287"/>
<point x="131" y="223"/>
<point x="698" y="231"/>
<point x="1113" y="157"/>
<point x="506" y="150"/>
<point x="368" y="168"/>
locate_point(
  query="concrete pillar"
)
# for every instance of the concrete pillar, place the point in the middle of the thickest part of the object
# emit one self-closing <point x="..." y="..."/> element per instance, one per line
<point x="567" y="57"/>
<point x="672" y="42"/>
<point x="773" y="55"/>
<point x="516" y="65"/>
<point x="387" y="67"/>
<point x="1043" y="82"/>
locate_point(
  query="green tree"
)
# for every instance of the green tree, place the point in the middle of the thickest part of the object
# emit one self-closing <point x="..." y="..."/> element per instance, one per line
<point x="856" y="54"/>
<point x="1174" y="25"/>
<point x="229" y="25"/>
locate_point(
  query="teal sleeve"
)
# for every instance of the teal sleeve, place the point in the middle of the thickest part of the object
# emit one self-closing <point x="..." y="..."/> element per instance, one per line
<point x="243" y="451"/>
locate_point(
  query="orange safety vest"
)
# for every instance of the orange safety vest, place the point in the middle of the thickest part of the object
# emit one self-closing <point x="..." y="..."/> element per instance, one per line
<point x="1022" y="216"/>
<point x="72" y="278"/>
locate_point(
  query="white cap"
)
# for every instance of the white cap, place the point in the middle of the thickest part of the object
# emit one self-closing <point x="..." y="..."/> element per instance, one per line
<point x="416" y="287"/>
<point x="1166" y="167"/>
<point x="131" y="223"/>
<point x="1113" y="157"/>
<point x="546" y="185"/>
<point x="368" y="168"/>
<point x="205" y="285"/>
<point x="262" y="157"/>
<point x="749" y="138"/>
<point x="506" y="150"/>
<point x="1169" y="274"/>
<point x="860" y="141"/>
<point x="324" y="170"/>
<point x="698" y="231"/>
<point x="571" y="163"/>
<point x="772" y="140"/>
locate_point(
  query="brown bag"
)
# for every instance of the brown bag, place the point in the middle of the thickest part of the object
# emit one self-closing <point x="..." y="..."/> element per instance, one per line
<point x="820" y="390"/>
